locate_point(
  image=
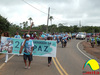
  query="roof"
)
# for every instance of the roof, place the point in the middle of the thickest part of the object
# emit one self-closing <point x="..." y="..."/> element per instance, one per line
<point x="31" y="30"/>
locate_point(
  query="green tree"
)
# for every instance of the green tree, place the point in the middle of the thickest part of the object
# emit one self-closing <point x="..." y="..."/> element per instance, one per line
<point x="13" y="28"/>
<point x="21" y="25"/>
<point x="52" y="28"/>
<point x="42" y="28"/>
<point x="61" y="28"/>
<point x="4" y="24"/>
<point x="25" y="24"/>
<point x="75" y="28"/>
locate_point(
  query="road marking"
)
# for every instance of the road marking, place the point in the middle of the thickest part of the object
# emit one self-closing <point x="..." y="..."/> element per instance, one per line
<point x="83" y="52"/>
<point x="8" y="60"/>
<point x="11" y="57"/>
<point x="57" y="67"/>
<point x="61" y="67"/>
<point x="2" y="65"/>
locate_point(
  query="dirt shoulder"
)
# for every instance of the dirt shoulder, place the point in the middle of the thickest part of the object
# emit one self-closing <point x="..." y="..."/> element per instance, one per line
<point x="93" y="51"/>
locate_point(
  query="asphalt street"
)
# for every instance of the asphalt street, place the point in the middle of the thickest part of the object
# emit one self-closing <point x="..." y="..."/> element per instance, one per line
<point x="69" y="61"/>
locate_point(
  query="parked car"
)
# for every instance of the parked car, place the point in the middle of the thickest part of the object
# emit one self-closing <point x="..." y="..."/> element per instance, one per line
<point x="81" y="35"/>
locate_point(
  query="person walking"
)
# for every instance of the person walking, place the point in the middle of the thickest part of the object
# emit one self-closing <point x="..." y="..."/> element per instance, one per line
<point x="98" y="40"/>
<point x="31" y="37"/>
<point x="43" y="36"/>
<point x="5" y="34"/>
<point x="49" y="58"/>
<point x="28" y="49"/>
<point x="17" y="35"/>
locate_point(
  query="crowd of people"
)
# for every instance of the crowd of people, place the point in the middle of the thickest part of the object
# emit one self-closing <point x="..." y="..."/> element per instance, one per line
<point x="58" y="37"/>
<point x="95" y="39"/>
<point x="29" y="45"/>
<point x="42" y="36"/>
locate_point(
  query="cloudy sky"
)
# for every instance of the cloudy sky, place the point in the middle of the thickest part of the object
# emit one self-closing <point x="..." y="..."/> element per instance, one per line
<point x="69" y="12"/>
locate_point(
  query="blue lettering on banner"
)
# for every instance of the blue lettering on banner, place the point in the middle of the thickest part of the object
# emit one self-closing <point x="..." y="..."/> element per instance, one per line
<point x="41" y="47"/>
<point x="17" y="44"/>
<point x="35" y="47"/>
<point x="46" y="48"/>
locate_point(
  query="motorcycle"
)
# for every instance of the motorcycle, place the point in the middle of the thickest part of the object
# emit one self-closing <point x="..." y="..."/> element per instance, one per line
<point x="92" y="43"/>
<point x="63" y="43"/>
<point x="57" y="39"/>
<point x="88" y="39"/>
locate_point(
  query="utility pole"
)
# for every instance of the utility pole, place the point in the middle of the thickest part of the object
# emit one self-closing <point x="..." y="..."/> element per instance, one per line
<point x="80" y="25"/>
<point x="48" y="19"/>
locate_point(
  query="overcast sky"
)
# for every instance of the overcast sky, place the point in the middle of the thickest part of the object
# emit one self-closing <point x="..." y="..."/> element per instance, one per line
<point x="69" y="12"/>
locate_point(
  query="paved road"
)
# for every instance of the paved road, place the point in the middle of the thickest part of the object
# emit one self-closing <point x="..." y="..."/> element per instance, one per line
<point x="71" y="61"/>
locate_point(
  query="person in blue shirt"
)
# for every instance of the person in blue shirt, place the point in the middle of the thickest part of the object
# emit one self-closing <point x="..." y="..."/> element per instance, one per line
<point x="53" y="36"/>
<point x="23" y="35"/>
<point x="49" y="58"/>
<point x="28" y="49"/>
<point x="47" y="34"/>
<point x="17" y="35"/>
<point x="92" y="40"/>
<point x="57" y="38"/>
<point x="65" y="39"/>
<point x="43" y="36"/>
<point x="98" y="40"/>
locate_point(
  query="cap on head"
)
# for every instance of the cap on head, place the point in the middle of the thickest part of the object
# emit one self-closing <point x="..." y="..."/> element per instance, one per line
<point x="27" y="35"/>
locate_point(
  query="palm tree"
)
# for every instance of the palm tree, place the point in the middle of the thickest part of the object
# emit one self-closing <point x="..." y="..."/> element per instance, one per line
<point x="21" y="25"/>
<point x="24" y="25"/>
<point x="30" y="19"/>
<point x="51" y="18"/>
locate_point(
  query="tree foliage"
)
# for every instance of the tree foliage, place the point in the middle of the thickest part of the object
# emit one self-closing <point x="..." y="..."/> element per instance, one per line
<point x="13" y="28"/>
<point x="4" y="24"/>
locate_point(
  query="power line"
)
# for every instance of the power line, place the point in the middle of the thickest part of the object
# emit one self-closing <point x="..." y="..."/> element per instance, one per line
<point x="40" y="5"/>
<point x="34" y="7"/>
<point x="44" y="6"/>
<point x="40" y="10"/>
